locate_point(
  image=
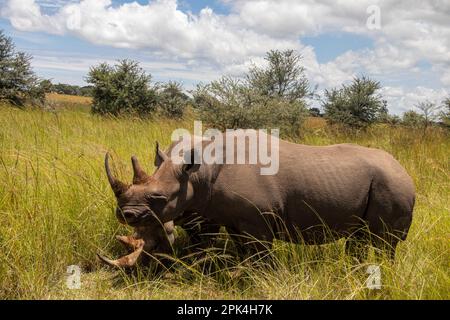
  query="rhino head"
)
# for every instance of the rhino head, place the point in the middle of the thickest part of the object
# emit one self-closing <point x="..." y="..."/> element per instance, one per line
<point x="150" y="204"/>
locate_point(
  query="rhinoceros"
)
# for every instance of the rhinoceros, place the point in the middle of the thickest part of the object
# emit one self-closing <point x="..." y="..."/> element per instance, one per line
<point x="318" y="195"/>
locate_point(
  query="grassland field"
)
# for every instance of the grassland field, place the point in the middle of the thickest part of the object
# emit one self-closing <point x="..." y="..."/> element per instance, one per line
<point x="57" y="209"/>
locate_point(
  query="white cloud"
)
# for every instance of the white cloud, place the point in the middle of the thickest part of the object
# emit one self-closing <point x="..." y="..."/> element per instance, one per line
<point x="159" y="26"/>
<point x="402" y="100"/>
<point x="411" y="31"/>
<point x="326" y="75"/>
<point x="445" y="78"/>
<point x="48" y="62"/>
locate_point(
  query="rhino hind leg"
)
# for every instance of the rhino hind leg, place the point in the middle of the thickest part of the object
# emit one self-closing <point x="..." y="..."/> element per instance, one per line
<point x="357" y="245"/>
<point x="386" y="246"/>
<point x="388" y="223"/>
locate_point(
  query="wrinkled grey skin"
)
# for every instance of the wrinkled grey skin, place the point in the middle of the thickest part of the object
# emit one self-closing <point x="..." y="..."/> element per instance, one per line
<point x="319" y="195"/>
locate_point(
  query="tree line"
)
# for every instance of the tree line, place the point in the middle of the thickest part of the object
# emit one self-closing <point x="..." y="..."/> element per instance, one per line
<point x="63" y="88"/>
<point x="276" y="94"/>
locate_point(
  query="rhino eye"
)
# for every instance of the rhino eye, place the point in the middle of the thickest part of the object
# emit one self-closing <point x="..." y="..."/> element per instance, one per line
<point x="157" y="197"/>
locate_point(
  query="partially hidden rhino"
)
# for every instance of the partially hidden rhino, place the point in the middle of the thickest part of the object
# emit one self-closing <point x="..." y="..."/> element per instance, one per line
<point x="319" y="194"/>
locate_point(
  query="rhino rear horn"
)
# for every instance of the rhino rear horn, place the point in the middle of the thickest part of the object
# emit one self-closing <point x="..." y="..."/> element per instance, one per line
<point x="160" y="156"/>
<point x="117" y="186"/>
<point x="139" y="174"/>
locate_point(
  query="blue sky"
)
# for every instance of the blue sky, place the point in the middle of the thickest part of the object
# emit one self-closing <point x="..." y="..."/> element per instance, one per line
<point x="198" y="41"/>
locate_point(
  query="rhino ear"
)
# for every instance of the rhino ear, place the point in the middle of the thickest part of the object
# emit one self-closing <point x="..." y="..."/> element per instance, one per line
<point x="160" y="156"/>
<point x="189" y="165"/>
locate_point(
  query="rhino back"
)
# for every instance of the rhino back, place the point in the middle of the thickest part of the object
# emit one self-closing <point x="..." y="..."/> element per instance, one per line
<point x="314" y="186"/>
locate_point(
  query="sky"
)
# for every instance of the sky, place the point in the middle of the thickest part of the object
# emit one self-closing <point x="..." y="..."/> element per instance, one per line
<point x="404" y="44"/>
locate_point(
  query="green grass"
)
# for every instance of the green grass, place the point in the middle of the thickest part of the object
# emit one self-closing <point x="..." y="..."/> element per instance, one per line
<point x="56" y="209"/>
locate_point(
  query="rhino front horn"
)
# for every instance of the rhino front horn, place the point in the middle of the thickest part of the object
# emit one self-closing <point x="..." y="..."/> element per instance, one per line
<point x="117" y="186"/>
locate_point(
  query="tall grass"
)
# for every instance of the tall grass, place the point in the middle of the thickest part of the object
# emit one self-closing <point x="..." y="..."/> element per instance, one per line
<point x="56" y="101"/>
<point x="56" y="209"/>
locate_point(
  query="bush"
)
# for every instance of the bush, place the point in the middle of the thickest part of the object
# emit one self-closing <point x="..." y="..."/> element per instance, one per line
<point x="429" y="113"/>
<point x="231" y="104"/>
<point x="357" y="105"/>
<point x="121" y="89"/>
<point x="18" y="83"/>
<point x="270" y="97"/>
<point x="391" y="119"/>
<point x="413" y="119"/>
<point x="172" y="102"/>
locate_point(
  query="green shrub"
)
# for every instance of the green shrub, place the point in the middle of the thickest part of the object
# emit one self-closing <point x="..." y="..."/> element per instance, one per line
<point x="172" y="102"/>
<point x="356" y="105"/>
<point x="121" y="89"/>
<point x="391" y="119"/>
<point x="231" y="104"/>
<point x="269" y="97"/>
<point x="412" y="119"/>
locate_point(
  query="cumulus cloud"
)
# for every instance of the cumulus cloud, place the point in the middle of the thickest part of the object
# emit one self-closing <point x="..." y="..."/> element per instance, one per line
<point x="411" y="31"/>
<point x="159" y="26"/>
<point x="445" y="78"/>
<point x="405" y="100"/>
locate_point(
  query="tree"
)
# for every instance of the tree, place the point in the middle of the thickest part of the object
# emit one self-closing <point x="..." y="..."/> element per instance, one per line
<point x="171" y="100"/>
<point x="232" y="104"/>
<point x="63" y="88"/>
<point x="445" y="113"/>
<point x="412" y="119"/>
<point x="428" y="111"/>
<point x="356" y="105"/>
<point x="121" y="89"/>
<point x="284" y="77"/>
<point x="271" y="96"/>
<point x="18" y="83"/>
